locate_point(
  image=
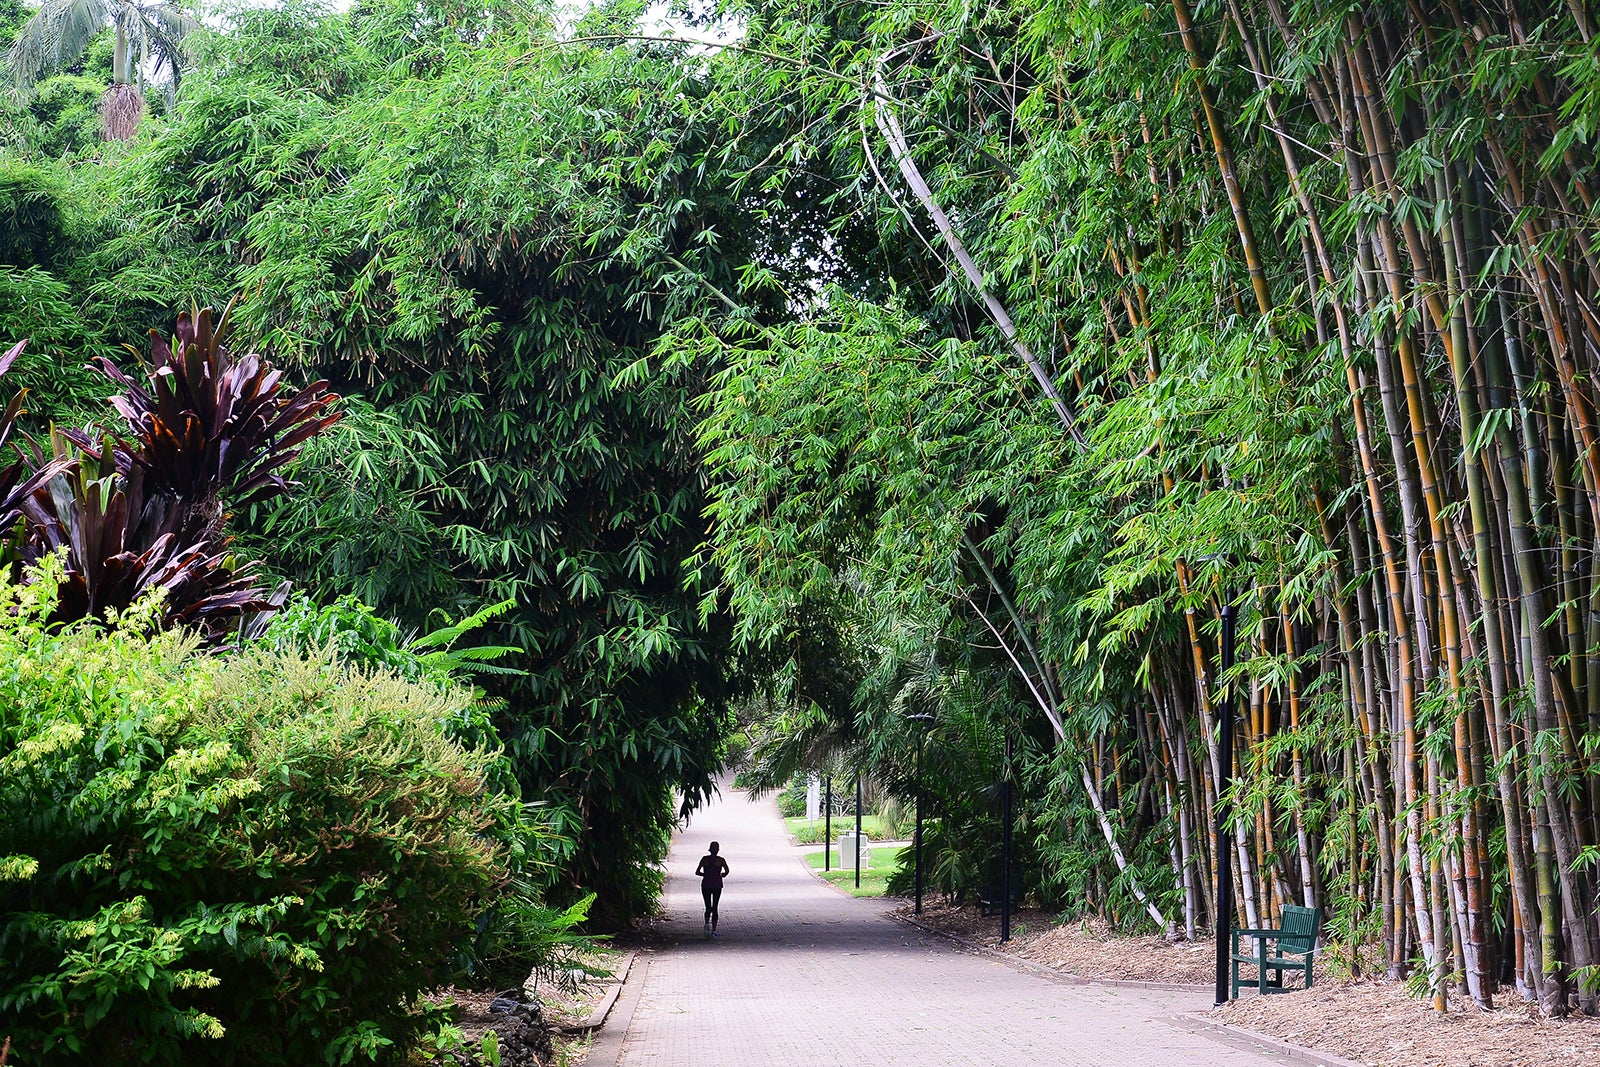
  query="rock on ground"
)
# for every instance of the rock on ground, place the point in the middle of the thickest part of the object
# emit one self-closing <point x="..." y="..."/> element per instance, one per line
<point x="520" y="1028"/>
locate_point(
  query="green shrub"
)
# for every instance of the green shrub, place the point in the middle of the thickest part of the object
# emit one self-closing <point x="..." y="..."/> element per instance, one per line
<point x="947" y="869"/>
<point x="365" y="640"/>
<point x="255" y="859"/>
<point x="41" y="307"/>
<point x="898" y="819"/>
<point x="809" y="832"/>
<point x="33" y="226"/>
<point x="67" y="108"/>
<point x="792" y="801"/>
<point x="351" y="629"/>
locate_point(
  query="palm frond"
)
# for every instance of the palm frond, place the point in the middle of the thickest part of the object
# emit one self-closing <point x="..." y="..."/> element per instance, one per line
<point x="445" y="637"/>
<point x="164" y="30"/>
<point x="803" y="738"/>
<point x="57" y="35"/>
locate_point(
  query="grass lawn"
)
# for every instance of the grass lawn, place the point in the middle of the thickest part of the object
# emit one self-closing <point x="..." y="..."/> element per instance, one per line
<point x="874" y="879"/>
<point x="807" y="832"/>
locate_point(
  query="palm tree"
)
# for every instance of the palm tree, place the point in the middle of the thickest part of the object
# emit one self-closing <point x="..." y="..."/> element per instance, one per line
<point x="146" y="31"/>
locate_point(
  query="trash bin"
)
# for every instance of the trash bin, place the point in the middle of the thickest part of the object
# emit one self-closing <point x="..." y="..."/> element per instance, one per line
<point x="847" y="850"/>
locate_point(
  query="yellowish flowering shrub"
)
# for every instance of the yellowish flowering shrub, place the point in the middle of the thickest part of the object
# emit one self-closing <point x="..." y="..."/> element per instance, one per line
<point x="261" y="858"/>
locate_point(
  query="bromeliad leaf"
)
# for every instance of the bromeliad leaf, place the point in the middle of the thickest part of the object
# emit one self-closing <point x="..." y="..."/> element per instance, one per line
<point x="211" y="427"/>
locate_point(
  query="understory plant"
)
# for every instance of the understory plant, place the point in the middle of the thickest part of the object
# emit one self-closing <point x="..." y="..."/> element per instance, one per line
<point x="207" y="431"/>
<point x="265" y="857"/>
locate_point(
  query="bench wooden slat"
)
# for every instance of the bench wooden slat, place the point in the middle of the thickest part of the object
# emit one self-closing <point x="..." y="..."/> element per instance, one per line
<point x="1296" y="937"/>
<point x="1299" y="928"/>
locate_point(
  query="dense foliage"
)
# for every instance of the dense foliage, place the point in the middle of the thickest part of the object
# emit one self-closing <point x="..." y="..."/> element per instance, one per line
<point x="484" y="279"/>
<point x="484" y="302"/>
<point x="1281" y="307"/>
<point x="260" y="858"/>
<point x="268" y="856"/>
<point x="953" y="360"/>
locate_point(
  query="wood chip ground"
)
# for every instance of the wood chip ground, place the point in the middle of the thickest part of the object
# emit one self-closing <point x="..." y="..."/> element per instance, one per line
<point x="1375" y="1022"/>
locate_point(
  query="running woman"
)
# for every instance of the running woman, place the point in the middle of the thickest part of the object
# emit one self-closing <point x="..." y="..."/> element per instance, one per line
<point x="712" y="870"/>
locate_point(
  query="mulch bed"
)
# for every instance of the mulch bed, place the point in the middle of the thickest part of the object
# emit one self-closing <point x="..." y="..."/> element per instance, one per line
<point x="1087" y="948"/>
<point x="1375" y="1022"/>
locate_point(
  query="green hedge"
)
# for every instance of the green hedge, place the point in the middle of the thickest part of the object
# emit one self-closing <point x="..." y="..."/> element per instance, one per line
<point x="792" y="801"/>
<point x="260" y="858"/>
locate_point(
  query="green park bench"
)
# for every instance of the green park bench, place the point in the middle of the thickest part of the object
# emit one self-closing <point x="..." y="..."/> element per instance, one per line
<point x="990" y="895"/>
<point x="1296" y="937"/>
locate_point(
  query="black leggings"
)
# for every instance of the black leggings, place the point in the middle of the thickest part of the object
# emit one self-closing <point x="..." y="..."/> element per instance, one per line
<point x="712" y="896"/>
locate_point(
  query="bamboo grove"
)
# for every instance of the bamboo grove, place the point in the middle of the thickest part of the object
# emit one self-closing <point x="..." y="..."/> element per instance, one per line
<point x="1473" y="300"/>
<point x="1289" y="305"/>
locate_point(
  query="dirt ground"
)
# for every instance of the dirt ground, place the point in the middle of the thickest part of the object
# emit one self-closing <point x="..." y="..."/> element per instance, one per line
<point x="1088" y="949"/>
<point x="549" y="1031"/>
<point x="1378" y="1023"/>
<point x="1372" y="1022"/>
<point x="522" y="1035"/>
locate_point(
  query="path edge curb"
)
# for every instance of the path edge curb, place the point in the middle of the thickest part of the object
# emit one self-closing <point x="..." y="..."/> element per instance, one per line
<point x="597" y="1017"/>
<point x="1043" y="969"/>
<point x="1194" y="1021"/>
<point x="605" y="1049"/>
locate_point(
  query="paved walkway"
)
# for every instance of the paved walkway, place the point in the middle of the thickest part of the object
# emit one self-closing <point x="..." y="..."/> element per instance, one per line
<point x="803" y="975"/>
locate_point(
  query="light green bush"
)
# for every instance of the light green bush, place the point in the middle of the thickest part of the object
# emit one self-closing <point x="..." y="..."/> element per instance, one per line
<point x="67" y="109"/>
<point x="792" y="801"/>
<point x="255" y="859"/>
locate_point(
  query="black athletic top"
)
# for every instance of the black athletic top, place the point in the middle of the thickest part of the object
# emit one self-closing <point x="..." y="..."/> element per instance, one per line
<point x="711" y="871"/>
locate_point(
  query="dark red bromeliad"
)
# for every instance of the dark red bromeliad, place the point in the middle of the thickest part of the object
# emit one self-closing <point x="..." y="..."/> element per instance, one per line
<point x="132" y="516"/>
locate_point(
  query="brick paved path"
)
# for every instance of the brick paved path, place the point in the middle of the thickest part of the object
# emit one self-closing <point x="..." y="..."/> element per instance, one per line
<point x="803" y="975"/>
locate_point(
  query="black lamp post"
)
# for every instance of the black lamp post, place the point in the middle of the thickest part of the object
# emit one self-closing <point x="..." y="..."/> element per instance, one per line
<point x="827" y="823"/>
<point x="1005" y="847"/>
<point x="858" y="829"/>
<point x="1225" y="715"/>
<point x="921" y="718"/>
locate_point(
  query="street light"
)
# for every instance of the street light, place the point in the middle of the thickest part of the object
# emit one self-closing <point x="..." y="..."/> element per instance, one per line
<point x="827" y="824"/>
<point x="922" y="733"/>
<point x="1223" y="927"/>
<point x="1005" y="848"/>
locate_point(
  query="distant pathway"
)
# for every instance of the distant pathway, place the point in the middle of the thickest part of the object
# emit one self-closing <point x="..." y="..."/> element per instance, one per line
<point x="803" y="975"/>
